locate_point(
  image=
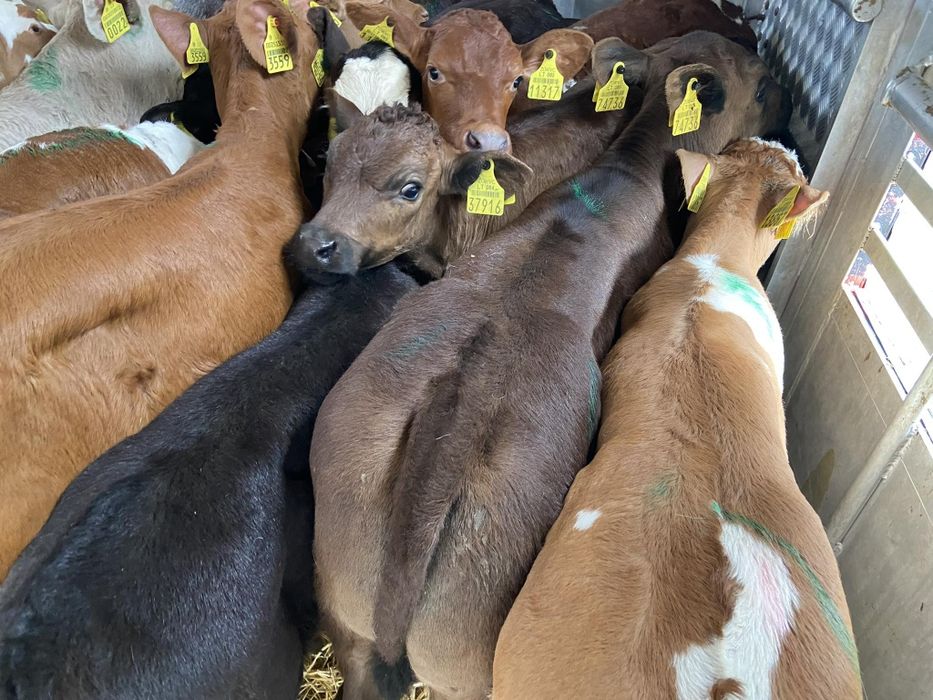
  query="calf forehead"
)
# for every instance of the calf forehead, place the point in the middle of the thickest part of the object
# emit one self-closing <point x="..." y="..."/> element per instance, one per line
<point x="468" y="39"/>
<point x="379" y="153"/>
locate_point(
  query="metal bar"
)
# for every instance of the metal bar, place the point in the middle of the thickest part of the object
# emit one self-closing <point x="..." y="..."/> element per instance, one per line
<point x="861" y="10"/>
<point x="913" y="98"/>
<point x="886" y="451"/>
<point x="915" y="185"/>
<point x="901" y="289"/>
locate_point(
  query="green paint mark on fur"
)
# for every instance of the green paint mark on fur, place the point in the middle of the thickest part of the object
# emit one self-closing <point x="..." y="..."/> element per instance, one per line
<point x="595" y="381"/>
<point x="75" y="138"/>
<point x="593" y="205"/>
<point x="418" y="343"/>
<point x="42" y="73"/>
<point x="830" y="611"/>
<point x="662" y="488"/>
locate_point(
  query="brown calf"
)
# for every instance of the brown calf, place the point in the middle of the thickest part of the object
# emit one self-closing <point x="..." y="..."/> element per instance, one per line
<point x="110" y="308"/>
<point x="76" y="164"/>
<point x="441" y="458"/>
<point x="471" y="69"/>
<point x="22" y="36"/>
<point x="686" y="563"/>
<point x="394" y="187"/>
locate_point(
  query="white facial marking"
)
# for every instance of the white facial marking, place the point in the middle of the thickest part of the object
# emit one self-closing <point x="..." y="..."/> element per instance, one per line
<point x="369" y="83"/>
<point x="731" y="293"/>
<point x="172" y="145"/>
<point x="585" y="519"/>
<point x="11" y="23"/>
<point x="750" y="647"/>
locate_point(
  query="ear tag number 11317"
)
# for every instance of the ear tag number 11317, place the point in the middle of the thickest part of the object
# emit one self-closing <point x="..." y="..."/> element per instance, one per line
<point x="546" y="83"/>
<point x="278" y="59"/>
<point x="113" y="20"/>
<point x="686" y="117"/>
<point x="485" y="195"/>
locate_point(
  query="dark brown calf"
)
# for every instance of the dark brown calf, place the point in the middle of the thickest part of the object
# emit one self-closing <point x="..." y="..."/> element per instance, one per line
<point x="441" y="458"/>
<point x="471" y="69"/>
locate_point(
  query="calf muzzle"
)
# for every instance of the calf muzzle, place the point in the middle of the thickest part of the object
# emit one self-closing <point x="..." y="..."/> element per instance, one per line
<point x="319" y="249"/>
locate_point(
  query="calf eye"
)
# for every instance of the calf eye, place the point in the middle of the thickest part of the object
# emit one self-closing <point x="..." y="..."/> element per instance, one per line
<point x="35" y="28"/>
<point x="517" y="82"/>
<point x="410" y="191"/>
<point x="433" y="73"/>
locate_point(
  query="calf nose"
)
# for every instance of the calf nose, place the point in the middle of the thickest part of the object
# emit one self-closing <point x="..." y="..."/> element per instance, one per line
<point x="488" y="140"/>
<point x="325" y="251"/>
<point x="318" y="249"/>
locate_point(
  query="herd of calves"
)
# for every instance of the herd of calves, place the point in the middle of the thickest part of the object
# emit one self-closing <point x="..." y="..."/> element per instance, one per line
<point x="449" y="346"/>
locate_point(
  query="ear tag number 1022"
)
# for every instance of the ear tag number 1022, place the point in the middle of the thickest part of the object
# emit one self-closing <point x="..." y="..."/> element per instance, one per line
<point x="113" y="20"/>
<point x="485" y="195"/>
<point x="278" y="59"/>
<point x="546" y="83"/>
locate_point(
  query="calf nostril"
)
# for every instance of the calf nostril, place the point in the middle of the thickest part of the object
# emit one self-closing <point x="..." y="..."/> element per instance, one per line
<point x="472" y="142"/>
<point x="325" y="251"/>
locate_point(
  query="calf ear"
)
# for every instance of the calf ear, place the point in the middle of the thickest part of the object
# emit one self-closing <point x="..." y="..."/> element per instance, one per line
<point x="463" y="169"/>
<point x="572" y="47"/>
<point x="174" y="30"/>
<point x="251" y="16"/>
<point x="93" y="10"/>
<point x="808" y="202"/>
<point x="711" y="88"/>
<point x="409" y="38"/>
<point x="692" y="166"/>
<point x="344" y="112"/>
<point x="610" y="51"/>
<point x="329" y="37"/>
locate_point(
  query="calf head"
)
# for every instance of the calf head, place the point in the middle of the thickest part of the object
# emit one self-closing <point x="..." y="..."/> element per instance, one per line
<point x="389" y="178"/>
<point x="755" y="175"/>
<point x="471" y="69"/>
<point x="22" y="37"/>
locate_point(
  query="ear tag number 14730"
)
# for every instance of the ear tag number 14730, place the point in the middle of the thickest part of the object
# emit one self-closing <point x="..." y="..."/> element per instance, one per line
<point x="546" y="83"/>
<point x="196" y="53"/>
<point x="612" y="96"/>
<point x="485" y="195"/>
<point x="686" y="117"/>
<point x="278" y="59"/>
<point x="113" y="20"/>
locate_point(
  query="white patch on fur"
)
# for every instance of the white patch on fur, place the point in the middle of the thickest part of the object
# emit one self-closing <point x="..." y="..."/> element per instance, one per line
<point x="586" y="518"/>
<point x="370" y="83"/>
<point x="730" y="293"/>
<point x="763" y="614"/>
<point x="777" y="145"/>
<point x="12" y="24"/>
<point x="172" y="145"/>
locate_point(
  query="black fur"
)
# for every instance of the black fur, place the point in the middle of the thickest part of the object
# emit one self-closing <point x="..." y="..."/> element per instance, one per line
<point x="196" y="110"/>
<point x="178" y="564"/>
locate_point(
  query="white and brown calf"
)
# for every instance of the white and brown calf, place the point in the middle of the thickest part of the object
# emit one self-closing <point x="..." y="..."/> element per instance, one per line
<point x="75" y="164"/>
<point x="686" y="563"/>
<point x="22" y="37"/>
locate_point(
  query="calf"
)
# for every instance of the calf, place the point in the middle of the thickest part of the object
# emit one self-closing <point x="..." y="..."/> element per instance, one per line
<point x="441" y="458"/>
<point x="22" y="37"/>
<point x="196" y="531"/>
<point x="523" y="19"/>
<point x="470" y="105"/>
<point x="80" y="79"/>
<point x="395" y="187"/>
<point x="111" y="307"/>
<point x="686" y="563"/>
<point x="68" y="166"/>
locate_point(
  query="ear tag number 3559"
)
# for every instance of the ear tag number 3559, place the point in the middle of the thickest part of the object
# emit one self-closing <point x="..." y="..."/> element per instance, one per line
<point x="485" y="195"/>
<point x="278" y="59"/>
<point x="546" y="83"/>
<point x="612" y="96"/>
<point x="113" y="20"/>
<point x="686" y="117"/>
<point x="196" y="53"/>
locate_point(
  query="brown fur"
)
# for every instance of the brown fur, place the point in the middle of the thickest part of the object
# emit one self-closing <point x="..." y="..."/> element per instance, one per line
<point x="463" y="99"/>
<point x="692" y="414"/>
<point x="26" y="45"/>
<point x="441" y="458"/>
<point x="29" y="182"/>
<point x="111" y="308"/>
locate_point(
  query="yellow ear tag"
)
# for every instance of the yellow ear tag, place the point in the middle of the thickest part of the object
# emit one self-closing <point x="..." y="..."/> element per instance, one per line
<point x="41" y="16"/>
<point x="317" y="67"/>
<point x="485" y="195"/>
<point x="546" y="83"/>
<point x="332" y="128"/>
<point x="785" y="230"/>
<point x="113" y="20"/>
<point x="699" y="190"/>
<point x="378" y="32"/>
<point x="333" y="15"/>
<point x="614" y="93"/>
<point x="779" y="213"/>
<point x="196" y="53"/>
<point x="278" y="59"/>
<point x="686" y="117"/>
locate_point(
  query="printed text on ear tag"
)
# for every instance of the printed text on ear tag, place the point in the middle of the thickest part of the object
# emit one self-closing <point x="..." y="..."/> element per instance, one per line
<point x="317" y="67"/>
<point x="687" y="116"/>
<point x="278" y="59"/>
<point x="699" y="191"/>
<point x="485" y="195"/>
<point x="546" y="83"/>
<point x="779" y="213"/>
<point x="378" y="32"/>
<point x="113" y="20"/>
<point x="611" y="96"/>
<point x="196" y="53"/>
<point x="333" y="15"/>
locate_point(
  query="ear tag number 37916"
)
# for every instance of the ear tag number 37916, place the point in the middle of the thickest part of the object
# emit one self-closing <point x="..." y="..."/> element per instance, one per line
<point x="686" y="117"/>
<point x="378" y="32"/>
<point x="546" y="83"/>
<point x="612" y="96"/>
<point x="196" y="53"/>
<point x="113" y="20"/>
<point x="485" y="195"/>
<point x="278" y="59"/>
